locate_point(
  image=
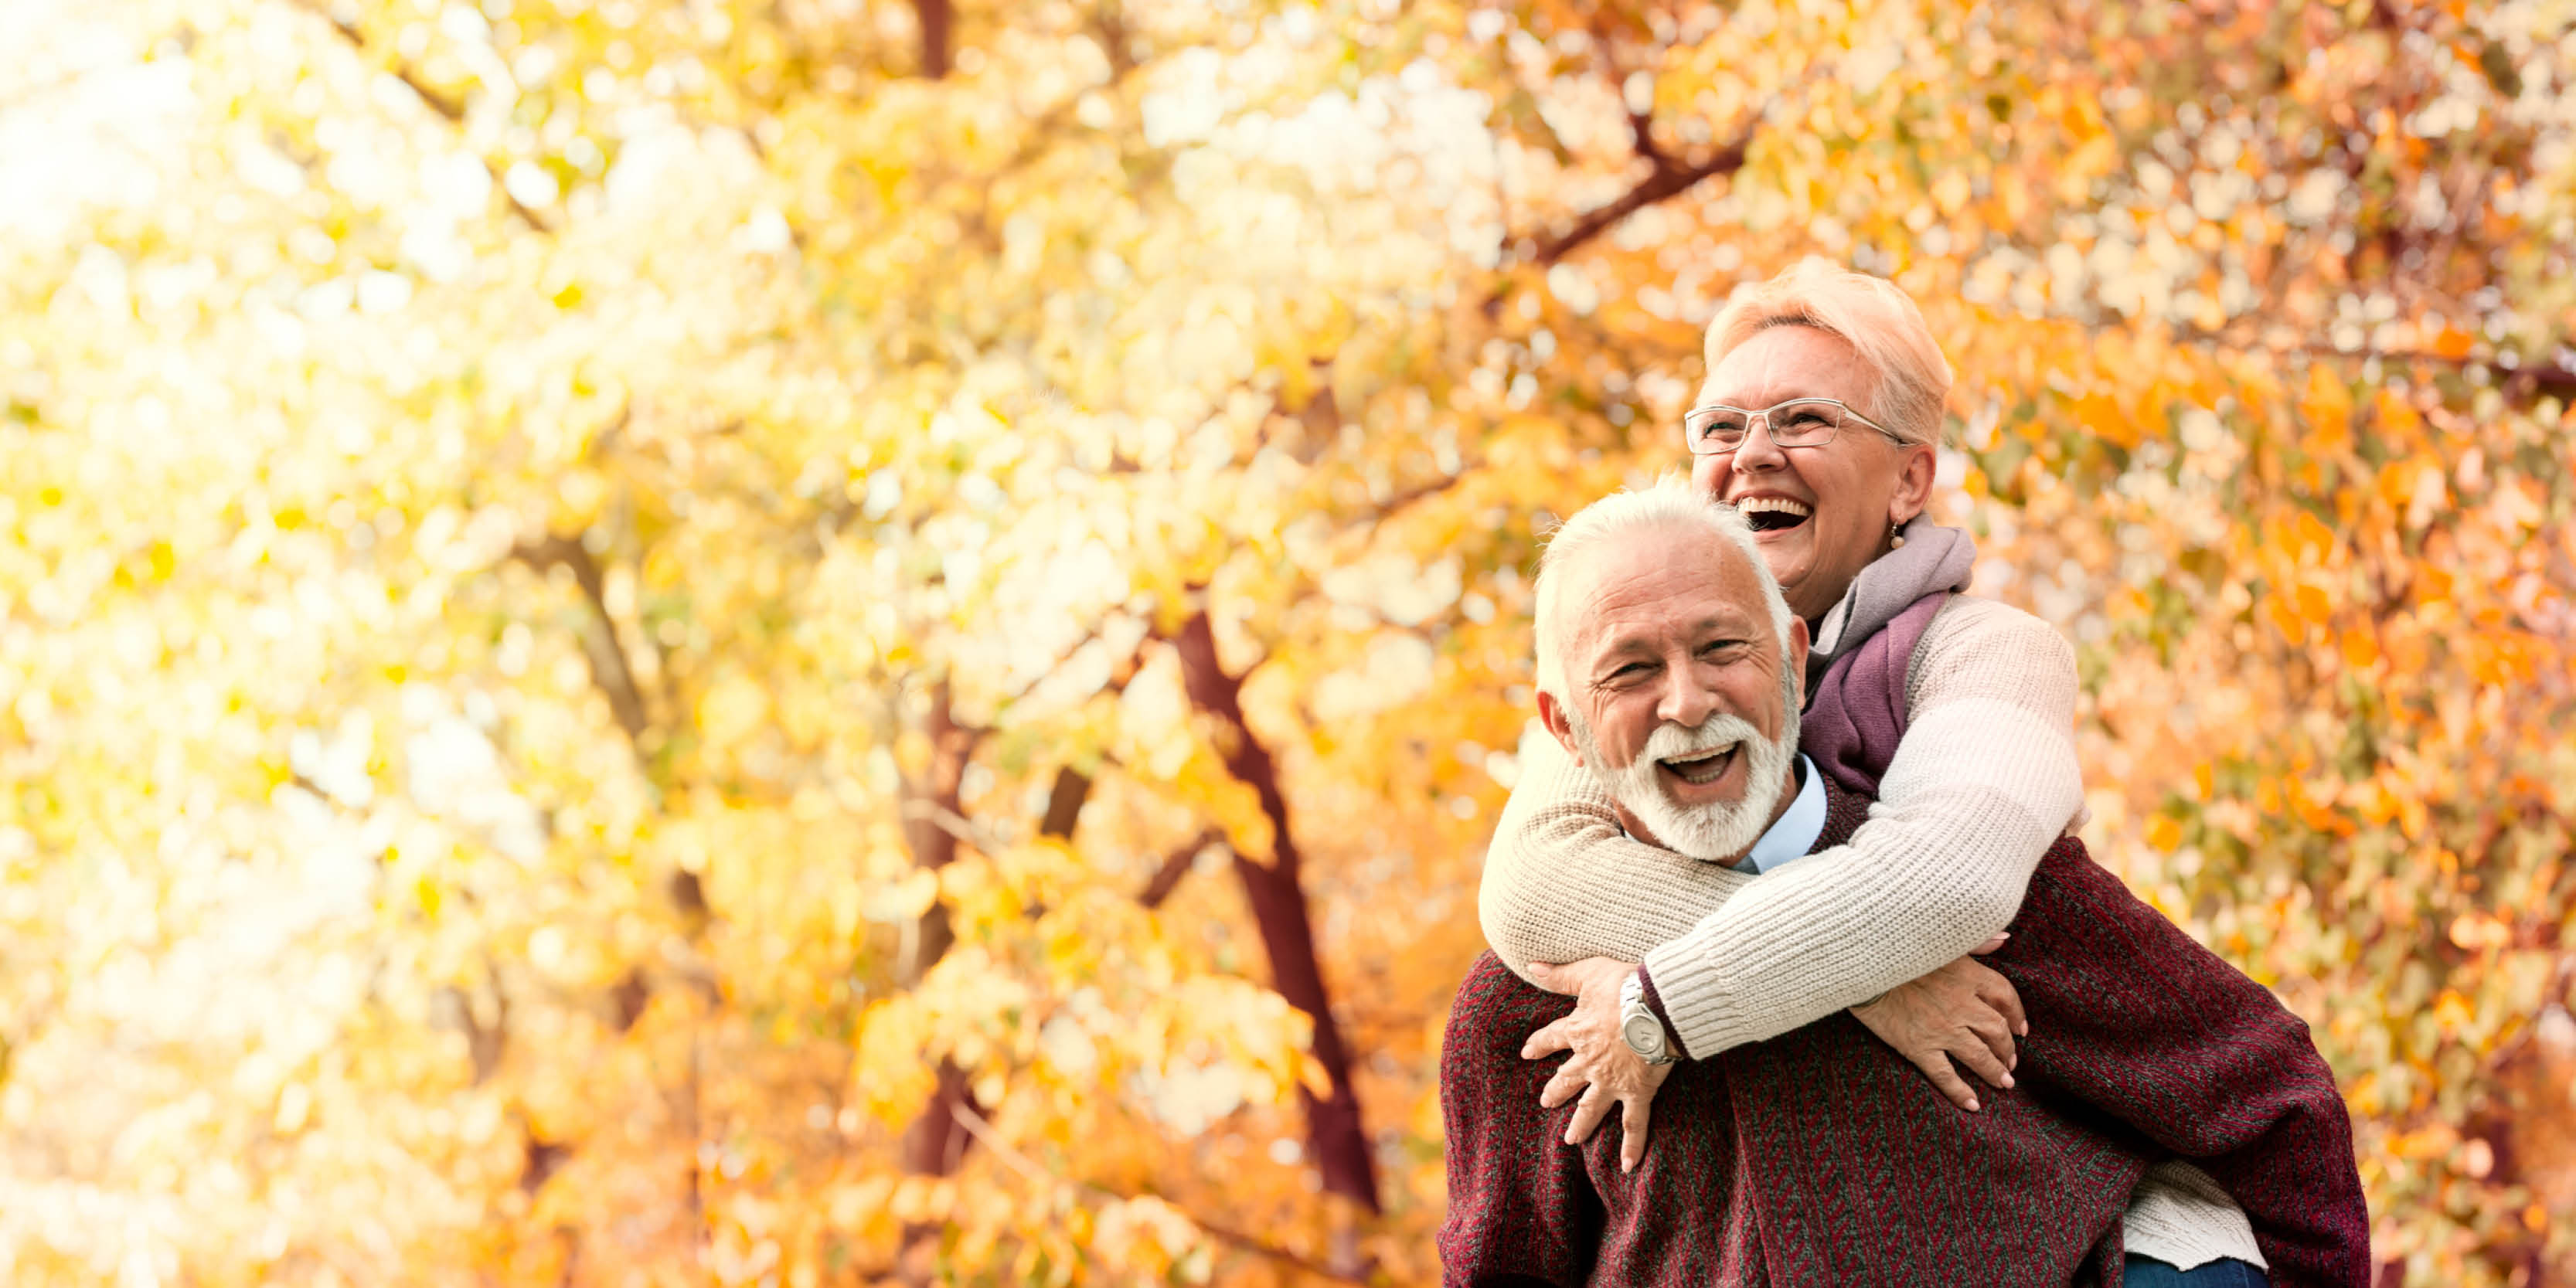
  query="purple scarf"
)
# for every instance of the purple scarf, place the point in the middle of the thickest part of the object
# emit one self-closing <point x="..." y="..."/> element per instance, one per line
<point x="1856" y="674"/>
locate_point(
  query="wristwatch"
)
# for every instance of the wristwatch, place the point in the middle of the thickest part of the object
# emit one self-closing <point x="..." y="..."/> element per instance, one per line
<point x="1639" y="1026"/>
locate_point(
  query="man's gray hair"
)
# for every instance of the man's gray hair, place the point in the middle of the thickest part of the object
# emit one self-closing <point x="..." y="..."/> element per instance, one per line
<point x="1669" y="505"/>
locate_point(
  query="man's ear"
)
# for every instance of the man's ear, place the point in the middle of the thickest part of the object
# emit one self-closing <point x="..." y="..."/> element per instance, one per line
<point x="1552" y="714"/>
<point x="1797" y="658"/>
<point x="1913" y="483"/>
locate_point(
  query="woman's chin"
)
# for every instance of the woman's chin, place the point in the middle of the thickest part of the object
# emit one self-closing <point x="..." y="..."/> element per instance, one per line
<point x="1789" y="552"/>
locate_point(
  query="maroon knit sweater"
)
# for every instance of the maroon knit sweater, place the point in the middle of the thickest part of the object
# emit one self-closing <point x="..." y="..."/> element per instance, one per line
<point x="1823" y="1157"/>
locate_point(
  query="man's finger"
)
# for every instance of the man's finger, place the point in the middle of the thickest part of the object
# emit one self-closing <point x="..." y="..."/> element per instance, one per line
<point x="1948" y="1080"/>
<point x="1633" y="1113"/>
<point x="1991" y="944"/>
<point x="1588" y="1113"/>
<point x="1550" y="1040"/>
<point x="1546" y="977"/>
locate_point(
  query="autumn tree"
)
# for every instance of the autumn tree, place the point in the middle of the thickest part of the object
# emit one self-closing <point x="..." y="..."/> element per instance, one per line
<point x="859" y="640"/>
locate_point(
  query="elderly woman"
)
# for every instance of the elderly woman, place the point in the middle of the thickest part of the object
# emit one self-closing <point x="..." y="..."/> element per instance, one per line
<point x="1819" y="421"/>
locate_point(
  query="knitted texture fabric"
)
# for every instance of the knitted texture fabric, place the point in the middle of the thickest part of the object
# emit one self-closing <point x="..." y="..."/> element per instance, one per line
<point x="1823" y="1157"/>
<point x="1933" y="558"/>
<point x="1984" y="779"/>
<point x="1856" y="710"/>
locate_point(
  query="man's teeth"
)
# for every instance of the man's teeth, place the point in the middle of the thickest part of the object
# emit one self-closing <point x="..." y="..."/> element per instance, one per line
<point x="1775" y="505"/>
<point x="1703" y="769"/>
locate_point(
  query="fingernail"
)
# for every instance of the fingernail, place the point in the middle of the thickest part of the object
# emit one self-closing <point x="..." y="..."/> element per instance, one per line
<point x="2003" y="934"/>
<point x="2008" y="1081"/>
<point x="1972" y="1104"/>
<point x="2025" y="1032"/>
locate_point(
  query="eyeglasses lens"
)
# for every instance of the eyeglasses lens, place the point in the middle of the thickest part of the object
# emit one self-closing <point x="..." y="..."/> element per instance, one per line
<point x="1798" y="423"/>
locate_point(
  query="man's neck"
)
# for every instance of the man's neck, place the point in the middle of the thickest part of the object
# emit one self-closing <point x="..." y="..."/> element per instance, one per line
<point x="1789" y="784"/>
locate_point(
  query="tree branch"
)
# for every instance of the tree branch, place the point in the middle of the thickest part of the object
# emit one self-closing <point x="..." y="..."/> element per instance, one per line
<point x="2553" y="374"/>
<point x="1176" y="865"/>
<point x="1667" y="180"/>
<point x="938" y="19"/>
<point x="984" y="1132"/>
<point x="608" y="665"/>
<point x="448" y="109"/>
<point x="1064" y="803"/>
<point x="1277" y="895"/>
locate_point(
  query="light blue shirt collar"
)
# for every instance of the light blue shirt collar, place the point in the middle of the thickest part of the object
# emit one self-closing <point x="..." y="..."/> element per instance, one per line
<point x="1797" y="829"/>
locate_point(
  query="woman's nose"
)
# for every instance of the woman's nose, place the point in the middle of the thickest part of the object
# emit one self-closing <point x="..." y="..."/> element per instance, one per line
<point x="1757" y="452"/>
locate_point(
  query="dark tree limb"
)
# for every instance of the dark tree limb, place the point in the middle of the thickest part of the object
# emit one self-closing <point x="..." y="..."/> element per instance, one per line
<point x="1064" y="803"/>
<point x="1026" y="1166"/>
<point x="1278" y="900"/>
<point x="608" y="665"/>
<point x="1668" y="179"/>
<point x="938" y="19"/>
<point x="1175" y="866"/>
<point x="936" y="1142"/>
<point x="449" y="109"/>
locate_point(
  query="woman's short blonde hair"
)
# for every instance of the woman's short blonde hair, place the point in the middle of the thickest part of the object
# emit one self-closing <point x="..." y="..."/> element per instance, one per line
<point x="1871" y="314"/>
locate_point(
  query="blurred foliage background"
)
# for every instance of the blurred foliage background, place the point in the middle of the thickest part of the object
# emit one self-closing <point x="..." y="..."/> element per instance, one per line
<point x="822" y="641"/>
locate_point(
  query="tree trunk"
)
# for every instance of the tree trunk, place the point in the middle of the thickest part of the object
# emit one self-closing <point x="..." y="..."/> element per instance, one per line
<point x="936" y="1142"/>
<point x="1333" y="1128"/>
<point x="938" y="20"/>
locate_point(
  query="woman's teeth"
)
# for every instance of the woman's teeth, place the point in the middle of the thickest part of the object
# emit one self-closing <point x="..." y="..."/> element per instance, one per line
<point x="1773" y="513"/>
<point x="1704" y="770"/>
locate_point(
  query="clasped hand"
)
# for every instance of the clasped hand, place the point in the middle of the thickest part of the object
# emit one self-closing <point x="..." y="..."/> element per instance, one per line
<point x="1963" y="1011"/>
<point x="1602" y="1071"/>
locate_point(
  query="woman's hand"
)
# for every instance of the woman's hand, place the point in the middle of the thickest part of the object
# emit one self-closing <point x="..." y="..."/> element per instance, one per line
<point x="1964" y="1011"/>
<point x="1602" y="1070"/>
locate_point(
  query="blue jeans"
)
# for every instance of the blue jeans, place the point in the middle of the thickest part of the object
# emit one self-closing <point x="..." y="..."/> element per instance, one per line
<point x="2226" y="1272"/>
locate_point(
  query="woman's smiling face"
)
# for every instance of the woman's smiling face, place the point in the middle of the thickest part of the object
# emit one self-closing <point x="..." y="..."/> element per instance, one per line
<point x="1829" y="508"/>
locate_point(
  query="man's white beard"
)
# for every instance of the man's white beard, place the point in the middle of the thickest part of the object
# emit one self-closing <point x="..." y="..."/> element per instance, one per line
<point x="1716" y="830"/>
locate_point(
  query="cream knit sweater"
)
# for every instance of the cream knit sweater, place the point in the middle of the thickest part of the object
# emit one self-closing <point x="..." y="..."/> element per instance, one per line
<point x="1985" y="779"/>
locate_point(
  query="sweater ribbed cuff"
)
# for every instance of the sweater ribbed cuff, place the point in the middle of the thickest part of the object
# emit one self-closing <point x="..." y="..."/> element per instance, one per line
<point x="1699" y="1008"/>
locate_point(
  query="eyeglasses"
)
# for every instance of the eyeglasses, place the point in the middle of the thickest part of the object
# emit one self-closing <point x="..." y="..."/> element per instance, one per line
<point x="1800" y="422"/>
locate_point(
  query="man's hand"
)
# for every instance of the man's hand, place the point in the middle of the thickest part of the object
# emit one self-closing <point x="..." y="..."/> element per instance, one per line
<point x="1963" y="1010"/>
<point x="1602" y="1069"/>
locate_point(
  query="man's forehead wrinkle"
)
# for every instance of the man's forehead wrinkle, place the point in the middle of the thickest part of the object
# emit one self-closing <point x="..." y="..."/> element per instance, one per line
<point x="1628" y="615"/>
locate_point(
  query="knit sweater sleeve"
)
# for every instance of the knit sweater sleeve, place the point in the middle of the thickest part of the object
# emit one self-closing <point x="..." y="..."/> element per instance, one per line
<point x="1563" y="880"/>
<point x="1984" y="780"/>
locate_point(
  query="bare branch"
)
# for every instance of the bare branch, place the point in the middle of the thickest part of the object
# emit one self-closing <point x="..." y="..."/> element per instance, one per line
<point x="1666" y="181"/>
<point x="1176" y="865"/>
<point x="938" y="19"/>
<point x="2553" y="375"/>
<point x="1064" y="803"/>
<point x="608" y="665"/>
<point x="448" y="109"/>
<point x="1277" y="895"/>
<point x="984" y="1132"/>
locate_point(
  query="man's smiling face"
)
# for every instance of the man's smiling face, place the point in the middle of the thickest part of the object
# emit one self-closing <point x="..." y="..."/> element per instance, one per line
<point x="1676" y="693"/>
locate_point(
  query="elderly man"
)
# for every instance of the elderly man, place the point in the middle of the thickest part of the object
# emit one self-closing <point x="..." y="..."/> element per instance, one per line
<point x="1670" y="667"/>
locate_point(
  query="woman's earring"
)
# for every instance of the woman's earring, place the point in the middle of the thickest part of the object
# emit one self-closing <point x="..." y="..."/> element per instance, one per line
<point x="1896" y="536"/>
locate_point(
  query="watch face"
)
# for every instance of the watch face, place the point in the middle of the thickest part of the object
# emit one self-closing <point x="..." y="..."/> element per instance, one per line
<point x="1644" y="1034"/>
